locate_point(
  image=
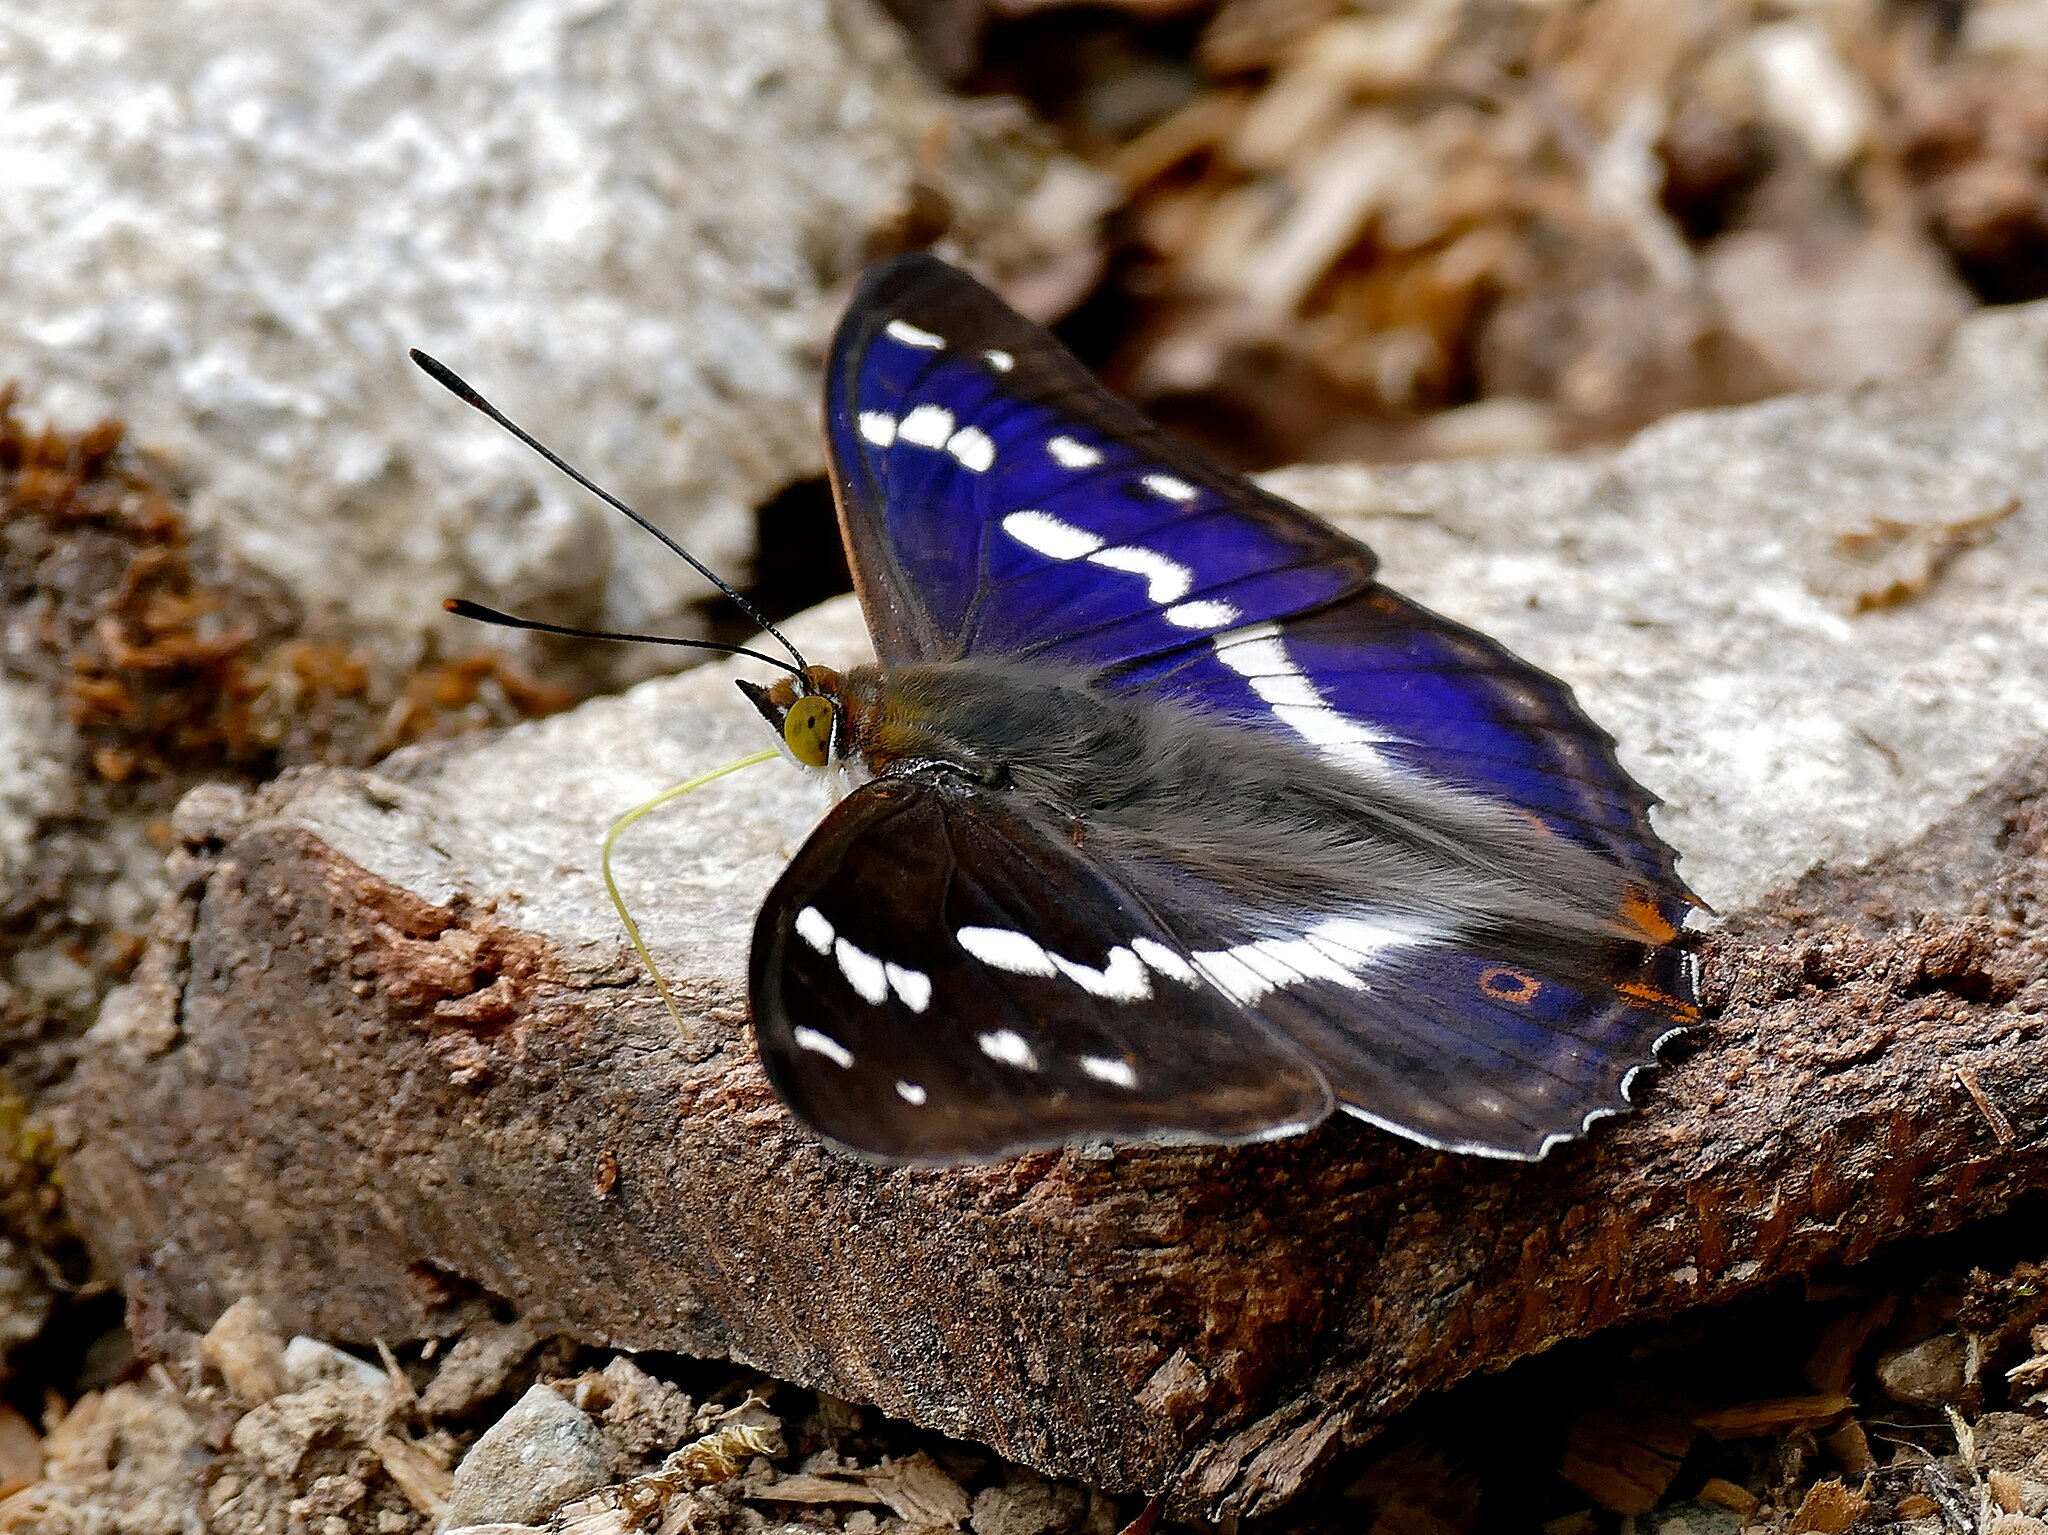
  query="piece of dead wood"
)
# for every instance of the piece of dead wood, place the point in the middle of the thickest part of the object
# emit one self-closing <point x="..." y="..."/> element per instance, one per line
<point x="321" y="1131"/>
<point x="1772" y="1416"/>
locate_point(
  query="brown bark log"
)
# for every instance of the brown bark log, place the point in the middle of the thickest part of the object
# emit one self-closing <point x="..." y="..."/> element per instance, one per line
<point x="370" y="1110"/>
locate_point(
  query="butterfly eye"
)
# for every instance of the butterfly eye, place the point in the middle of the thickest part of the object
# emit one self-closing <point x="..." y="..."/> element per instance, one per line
<point x="807" y="727"/>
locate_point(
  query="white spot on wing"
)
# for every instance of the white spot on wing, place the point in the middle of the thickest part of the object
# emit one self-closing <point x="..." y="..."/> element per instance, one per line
<point x="1259" y="655"/>
<point x="1256" y="652"/>
<point x="1166" y="580"/>
<point x="1290" y="692"/>
<point x="863" y="972"/>
<point x="814" y="928"/>
<point x="1069" y="453"/>
<point x="1309" y="962"/>
<point x="1163" y="959"/>
<point x="912" y="987"/>
<point x="1008" y="1046"/>
<point x="912" y="1094"/>
<point x="1334" y="950"/>
<point x="1171" y="487"/>
<point x="878" y="427"/>
<point x="1266" y="965"/>
<point x="1320" y="725"/>
<point x="1111" y="1069"/>
<point x="825" y="1045"/>
<point x="1002" y="948"/>
<point x="1045" y="534"/>
<point x="1123" y="979"/>
<point x="928" y="426"/>
<point x="999" y="359"/>
<point x="1208" y="614"/>
<point x="911" y="335"/>
<point x="1231" y="976"/>
<point x="972" y="447"/>
<point x="1355" y="940"/>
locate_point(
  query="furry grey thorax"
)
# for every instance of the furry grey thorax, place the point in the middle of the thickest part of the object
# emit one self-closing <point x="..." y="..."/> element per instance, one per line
<point x="1279" y="829"/>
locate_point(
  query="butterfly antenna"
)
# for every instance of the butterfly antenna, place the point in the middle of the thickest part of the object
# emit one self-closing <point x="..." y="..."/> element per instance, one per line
<point x="456" y="385"/>
<point x="462" y="607"/>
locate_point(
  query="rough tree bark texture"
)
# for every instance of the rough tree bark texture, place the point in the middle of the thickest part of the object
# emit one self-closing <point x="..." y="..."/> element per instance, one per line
<point x="371" y="1110"/>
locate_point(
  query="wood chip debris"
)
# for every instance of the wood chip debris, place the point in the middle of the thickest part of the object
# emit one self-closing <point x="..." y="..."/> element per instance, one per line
<point x="1339" y="221"/>
<point x="916" y="1489"/>
<point x="2030" y="1376"/>
<point x="1773" y="1415"/>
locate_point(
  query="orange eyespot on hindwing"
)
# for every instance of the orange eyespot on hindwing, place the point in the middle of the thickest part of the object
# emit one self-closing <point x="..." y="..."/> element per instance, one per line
<point x="807" y="728"/>
<point x="1504" y="983"/>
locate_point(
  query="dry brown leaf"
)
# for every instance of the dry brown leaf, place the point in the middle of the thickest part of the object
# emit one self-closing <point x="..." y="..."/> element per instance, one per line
<point x="802" y="1487"/>
<point x="1625" y="1461"/>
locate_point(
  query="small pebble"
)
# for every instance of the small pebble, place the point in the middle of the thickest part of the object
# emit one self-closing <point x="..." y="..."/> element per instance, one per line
<point x="537" y="1457"/>
<point x="1928" y="1374"/>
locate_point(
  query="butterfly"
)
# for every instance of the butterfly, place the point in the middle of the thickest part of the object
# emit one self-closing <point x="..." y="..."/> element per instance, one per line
<point x="1158" y="818"/>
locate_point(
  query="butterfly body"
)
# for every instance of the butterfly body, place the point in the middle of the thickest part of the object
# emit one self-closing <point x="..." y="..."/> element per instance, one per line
<point x="1158" y="817"/>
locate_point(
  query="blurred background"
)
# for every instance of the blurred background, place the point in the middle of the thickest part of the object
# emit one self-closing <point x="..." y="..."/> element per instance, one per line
<point x="1463" y="226"/>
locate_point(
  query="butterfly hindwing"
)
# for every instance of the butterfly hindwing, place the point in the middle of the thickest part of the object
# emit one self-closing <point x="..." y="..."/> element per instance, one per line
<point x="1028" y="1003"/>
<point x="1446" y="1042"/>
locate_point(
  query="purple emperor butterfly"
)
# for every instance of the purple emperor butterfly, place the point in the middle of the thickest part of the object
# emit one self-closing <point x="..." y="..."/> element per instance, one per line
<point x="1160" y="819"/>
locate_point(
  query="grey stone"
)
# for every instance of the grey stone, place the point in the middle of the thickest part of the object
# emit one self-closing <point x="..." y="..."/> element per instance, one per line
<point x="26" y="1297"/>
<point x="308" y="1361"/>
<point x="623" y="218"/>
<point x="1929" y="1373"/>
<point x="537" y="1457"/>
<point x="245" y="1346"/>
<point x="1694" y="1519"/>
<point x="35" y="758"/>
<point x="1029" y="1507"/>
<point x="281" y="1436"/>
<point x="475" y="1368"/>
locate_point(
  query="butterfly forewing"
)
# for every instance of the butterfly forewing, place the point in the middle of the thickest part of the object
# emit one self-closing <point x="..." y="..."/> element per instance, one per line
<point x="996" y="501"/>
<point x="1029" y="1002"/>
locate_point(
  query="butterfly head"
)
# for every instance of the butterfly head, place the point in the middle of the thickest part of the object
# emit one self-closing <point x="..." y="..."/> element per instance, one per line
<point x="807" y="712"/>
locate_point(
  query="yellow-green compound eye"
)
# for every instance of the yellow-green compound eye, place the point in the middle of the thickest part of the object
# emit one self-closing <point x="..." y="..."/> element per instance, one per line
<point x="807" y="727"/>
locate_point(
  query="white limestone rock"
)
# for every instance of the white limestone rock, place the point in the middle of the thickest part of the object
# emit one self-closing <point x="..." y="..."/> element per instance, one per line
<point x="624" y="219"/>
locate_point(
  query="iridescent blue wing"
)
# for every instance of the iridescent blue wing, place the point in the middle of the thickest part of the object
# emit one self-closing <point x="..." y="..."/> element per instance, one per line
<point x="1385" y="685"/>
<point x="995" y="500"/>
